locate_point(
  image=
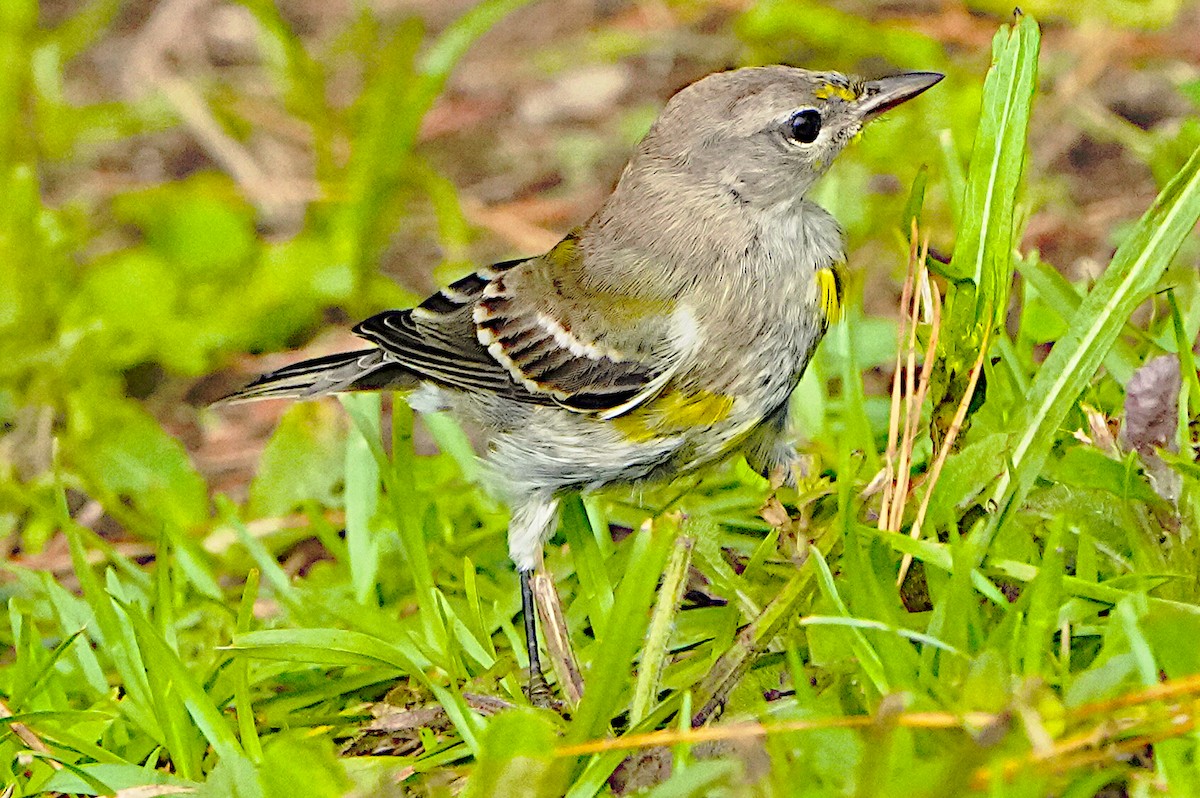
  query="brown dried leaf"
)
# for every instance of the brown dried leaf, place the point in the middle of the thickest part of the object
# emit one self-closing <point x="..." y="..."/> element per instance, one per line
<point x="1152" y="405"/>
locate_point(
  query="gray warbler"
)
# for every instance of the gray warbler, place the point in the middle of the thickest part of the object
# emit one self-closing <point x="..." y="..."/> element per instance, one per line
<point x="665" y="333"/>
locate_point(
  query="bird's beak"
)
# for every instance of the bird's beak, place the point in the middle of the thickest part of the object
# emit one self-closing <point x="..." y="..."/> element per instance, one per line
<point x="886" y="93"/>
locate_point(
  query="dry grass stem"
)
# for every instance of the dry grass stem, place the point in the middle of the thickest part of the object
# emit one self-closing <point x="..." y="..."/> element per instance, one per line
<point x="558" y="642"/>
<point x="27" y="736"/>
<point x="890" y="465"/>
<point x="935" y="472"/>
<point x="920" y="300"/>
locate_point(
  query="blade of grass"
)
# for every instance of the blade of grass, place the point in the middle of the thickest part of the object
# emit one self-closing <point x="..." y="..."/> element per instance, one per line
<point x="982" y="265"/>
<point x="983" y="252"/>
<point x="247" y="730"/>
<point x="654" y="653"/>
<point x="1062" y="298"/>
<point x="115" y="640"/>
<point x="173" y="681"/>
<point x="609" y="672"/>
<point x="328" y="647"/>
<point x="362" y="495"/>
<point x="398" y="479"/>
<point x="1129" y="280"/>
<point x="868" y="657"/>
<point x="594" y="582"/>
<point x="1187" y="358"/>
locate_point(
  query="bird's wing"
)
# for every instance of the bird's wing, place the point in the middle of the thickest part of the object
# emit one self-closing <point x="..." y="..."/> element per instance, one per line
<point x="534" y="331"/>
<point x="437" y="339"/>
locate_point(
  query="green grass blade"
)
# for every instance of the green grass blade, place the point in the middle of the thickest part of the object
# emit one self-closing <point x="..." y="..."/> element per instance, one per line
<point x="247" y="731"/>
<point x="1062" y="297"/>
<point x="657" y="638"/>
<point x="362" y="496"/>
<point x="122" y="650"/>
<point x="1129" y="280"/>
<point x="984" y="249"/>
<point x="608" y="675"/>
<point x="181" y="681"/>
<point x="982" y="265"/>
<point x="1187" y="359"/>
<point x="868" y="657"/>
<point x="594" y="581"/>
<point x="398" y="478"/>
<point x="328" y="647"/>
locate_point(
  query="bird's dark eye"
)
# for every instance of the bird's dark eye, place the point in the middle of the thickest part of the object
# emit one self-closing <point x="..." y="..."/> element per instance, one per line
<point x="805" y="126"/>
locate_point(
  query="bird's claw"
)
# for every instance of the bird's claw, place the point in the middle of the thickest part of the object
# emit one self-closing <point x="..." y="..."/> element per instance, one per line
<point x="538" y="691"/>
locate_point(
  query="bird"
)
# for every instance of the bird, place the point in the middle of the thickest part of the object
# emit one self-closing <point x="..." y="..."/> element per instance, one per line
<point x="662" y="335"/>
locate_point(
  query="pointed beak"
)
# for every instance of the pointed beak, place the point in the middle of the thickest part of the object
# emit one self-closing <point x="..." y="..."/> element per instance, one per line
<point x="885" y="94"/>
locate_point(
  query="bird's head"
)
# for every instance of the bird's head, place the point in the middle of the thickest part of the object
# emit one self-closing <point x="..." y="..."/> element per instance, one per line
<point x="763" y="135"/>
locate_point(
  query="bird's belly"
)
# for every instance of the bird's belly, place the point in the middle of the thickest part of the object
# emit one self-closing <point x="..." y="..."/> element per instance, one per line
<point x="682" y="429"/>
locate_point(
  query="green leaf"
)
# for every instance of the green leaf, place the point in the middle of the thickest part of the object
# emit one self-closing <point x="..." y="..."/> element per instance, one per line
<point x="362" y="498"/>
<point x="965" y="475"/>
<point x="984" y="249"/>
<point x="1085" y="467"/>
<point x="1164" y="627"/>
<point x="172" y="680"/>
<point x="1129" y="280"/>
<point x="518" y="749"/>
<point x="113" y="776"/>
<point x="294" y="758"/>
<point x="1060" y="296"/>
<point x="302" y="462"/>
<point x="328" y="647"/>
<point x="608" y="676"/>
<point x="125" y="456"/>
<point x="982" y="265"/>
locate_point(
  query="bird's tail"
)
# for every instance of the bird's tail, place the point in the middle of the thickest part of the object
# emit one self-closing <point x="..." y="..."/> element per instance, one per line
<point x="364" y="370"/>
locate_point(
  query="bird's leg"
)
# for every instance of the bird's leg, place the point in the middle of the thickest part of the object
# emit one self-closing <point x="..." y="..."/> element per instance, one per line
<point x="537" y="689"/>
<point x="533" y="520"/>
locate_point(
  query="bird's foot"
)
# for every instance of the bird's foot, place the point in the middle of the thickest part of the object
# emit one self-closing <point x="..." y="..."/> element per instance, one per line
<point x="538" y="691"/>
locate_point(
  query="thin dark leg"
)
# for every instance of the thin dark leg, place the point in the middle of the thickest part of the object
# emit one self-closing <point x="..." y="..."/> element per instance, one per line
<point x="537" y="689"/>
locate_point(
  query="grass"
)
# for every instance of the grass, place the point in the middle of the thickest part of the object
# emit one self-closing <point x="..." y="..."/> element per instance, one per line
<point x="1032" y="648"/>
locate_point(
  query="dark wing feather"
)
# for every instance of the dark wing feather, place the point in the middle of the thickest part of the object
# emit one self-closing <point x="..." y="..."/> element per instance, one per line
<point x="530" y="330"/>
<point x="455" y="362"/>
<point x="437" y="339"/>
<point x="365" y="370"/>
<point x="593" y="352"/>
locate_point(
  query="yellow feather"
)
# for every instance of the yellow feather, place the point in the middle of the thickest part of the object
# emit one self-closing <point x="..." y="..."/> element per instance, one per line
<point x="829" y="294"/>
<point x="830" y="90"/>
<point x="673" y="413"/>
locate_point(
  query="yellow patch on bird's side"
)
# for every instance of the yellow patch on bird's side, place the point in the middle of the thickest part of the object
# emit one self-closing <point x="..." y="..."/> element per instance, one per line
<point x="832" y="90"/>
<point x="829" y="294"/>
<point x="621" y="310"/>
<point x="673" y="413"/>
